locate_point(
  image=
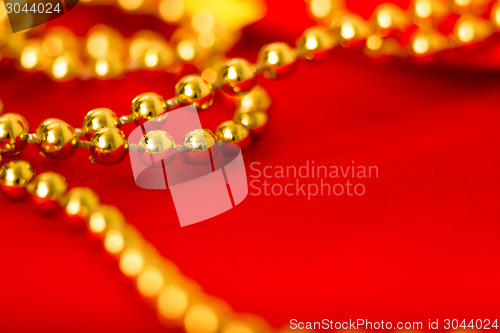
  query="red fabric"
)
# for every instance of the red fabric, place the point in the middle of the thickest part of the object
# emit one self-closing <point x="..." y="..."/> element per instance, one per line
<point x="422" y="243"/>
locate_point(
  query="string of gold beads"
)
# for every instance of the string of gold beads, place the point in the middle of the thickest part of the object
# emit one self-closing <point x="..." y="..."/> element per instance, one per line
<point x="382" y="33"/>
<point x="179" y="301"/>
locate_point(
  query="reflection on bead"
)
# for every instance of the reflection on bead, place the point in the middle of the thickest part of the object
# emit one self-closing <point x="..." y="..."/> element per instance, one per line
<point x="277" y="59"/>
<point x="157" y="148"/>
<point x="172" y="302"/>
<point x="57" y="139"/>
<point x="193" y="89"/>
<point x="201" y="319"/>
<point x="65" y="67"/>
<point x="230" y="131"/>
<point x="150" y="282"/>
<point x="103" y="219"/>
<point x="14" y="177"/>
<point x="80" y="201"/>
<point x="349" y="29"/>
<point x="236" y="327"/>
<point x="131" y="262"/>
<point x="388" y="19"/>
<point x="108" y="146"/>
<point x="256" y="100"/>
<point x="32" y="57"/>
<point x="198" y="142"/>
<point x="238" y="75"/>
<point x="98" y="119"/>
<point x="314" y="43"/>
<point x="108" y="66"/>
<point x="147" y="106"/>
<point x="470" y="28"/>
<point x="47" y="190"/>
<point x="13" y="133"/>
<point x="428" y="42"/>
<point x="255" y="121"/>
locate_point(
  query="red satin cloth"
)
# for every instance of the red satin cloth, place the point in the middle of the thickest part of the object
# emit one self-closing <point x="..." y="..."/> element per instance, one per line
<point x="421" y="244"/>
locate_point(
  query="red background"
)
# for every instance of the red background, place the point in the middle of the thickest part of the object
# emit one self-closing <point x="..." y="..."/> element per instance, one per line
<point x="422" y="243"/>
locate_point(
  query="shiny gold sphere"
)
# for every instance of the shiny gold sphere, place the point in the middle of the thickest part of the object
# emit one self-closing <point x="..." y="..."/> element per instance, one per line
<point x="57" y="139"/>
<point x="238" y="75"/>
<point x="276" y="59"/>
<point x="314" y="43"/>
<point x="256" y="99"/>
<point x="147" y="106"/>
<point x="193" y="89"/>
<point x="198" y="142"/>
<point x="255" y="121"/>
<point x="157" y="148"/>
<point x="389" y="18"/>
<point x="109" y="146"/>
<point x="80" y="201"/>
<point x="13" y="133"/>
<point x="14" y="178"/>
<point x="231" y="131"/>
<point x="47" y="190"/>
<point x="349" y="29"/>
<point x="98" y="119"/>
<point x="103" y="219"/>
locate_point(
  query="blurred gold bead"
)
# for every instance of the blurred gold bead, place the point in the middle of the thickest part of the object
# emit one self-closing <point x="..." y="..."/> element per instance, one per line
<point x="158" y="55"/>
<point x="80" y="201"/>
<point x="428" y="42"/>
<point x="188" y="49"/>
<point x="198" y="142"/>
<point x="315" y="42"/>
<point x="14" y="178"/>
<point x="57" y="139"/>
<point x="47" y="190"/>
<point x="277" y="59"/>
<point x="236" y="327"/>
<point x="13" y="133"/>
<point x="57" y="40"/>
<point x="324" y="9"/>
<point x="98" y="119"/>
<point x="387" y="18"/>
<point x="109" y="146"/>
<point x="495" y="14"/>
<point x="65" y="67"/>
<point x="103" y="219"/>
<point x="32" y="57"/>
<point x="256" y="100"/>
<point x="147" y="106"/>
<point x="157" y="148"/>
<point x="469" y="28"/>
<point x="107" y="66"/>
<point x="193" y="89"/>
<point x="238" y="75"/>
<point x="139" y="43"/>
<point x="102" y="40"/>
<point x="255" y="121"/>
<point x="172" y="302"/>
<point x="230" y="131"/>
<point x="201" y="319"/>
<point x="132" y="262"/>
<point x="171" y="10"/>
<point x="349" y="28"/>
<point x="150" y="281"/>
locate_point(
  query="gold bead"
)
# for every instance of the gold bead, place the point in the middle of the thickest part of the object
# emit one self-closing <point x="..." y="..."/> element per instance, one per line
<point x="32" y="57"/>
<point x="424" y="12"/>
<point x="277" y="59"/>
<point x="469" y="28"/>
<point x="103" y="40"/>
<point x="58" y="40"/>
<point x="230" y="131"/>
<point x="147" y="106"/>
<point x="193" y="89"/>
<point x="104" y="219"/>
<point x="256" y="100"/>
<point x="323" y="10"/>
<point x="495" y="16"/>
<point x="80" y="201"/>
<point x="14" y="178"/>
<point x="57" y="139"/>
<point x="314" y="43"/>
<point x="238" y="75"/>
<point x="98" y="119"/>
<point x="157" y="148"/>
<point x="236" y="327"/>
<point x="255" y="121"/>
<point x="428" y="42"/>
<point x="150" y="281"/>
<point x="198" y="142"/>
<point x="108" y="146"/>
<point x="172" y="302"/>
<point x="389" y="18"/>
<point x="158" y="55"/>
<point x="65" y="67"/>
<point x="47" y="190"/>
<point x="349" y="29"/>
<point x="13" y="133"/>
<point x="201" y="319"/>
<point x="108" y="66"/>
<point x="132" y="261"/>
